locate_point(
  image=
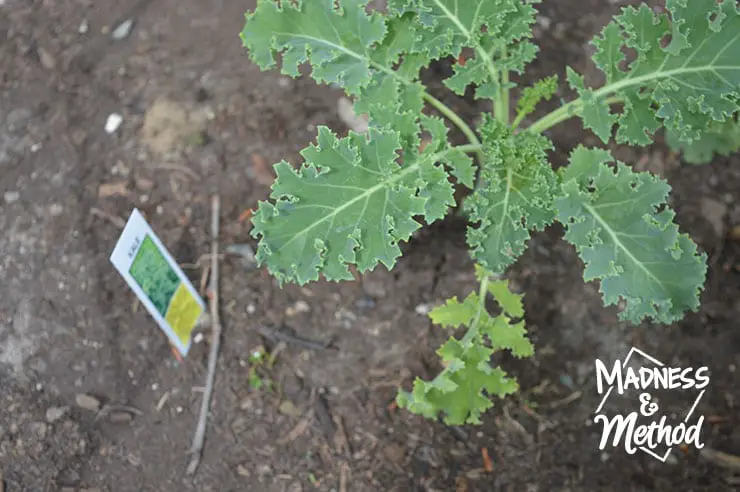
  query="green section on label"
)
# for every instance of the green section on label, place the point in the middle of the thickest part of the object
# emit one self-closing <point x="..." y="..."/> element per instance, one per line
<point x="154" y="275"/>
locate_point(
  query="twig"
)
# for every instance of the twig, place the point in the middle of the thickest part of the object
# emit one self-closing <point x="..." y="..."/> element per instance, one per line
<point x="200" y="431"/>
<point x="564" y="401"/>
<point x="275" y="335"/>
<point x="110" y="408"/>
<point x="458" y="434"/>
<point x="343" y="477"/>
<point x="719" y="458"/>
<point x="116" y="221"/>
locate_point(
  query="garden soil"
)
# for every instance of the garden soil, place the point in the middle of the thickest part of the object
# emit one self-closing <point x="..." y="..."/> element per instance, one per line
<point x="91" y="395"/>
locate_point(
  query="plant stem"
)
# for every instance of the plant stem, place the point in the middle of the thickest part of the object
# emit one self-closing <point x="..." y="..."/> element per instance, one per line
<point x="482" y="295"/>
<point x="517" y="121"/>
<point x="457" y="121"/>
<point x="469" y="148"/>
<point x="573" y="108"/>
<point x="502" y="103"/>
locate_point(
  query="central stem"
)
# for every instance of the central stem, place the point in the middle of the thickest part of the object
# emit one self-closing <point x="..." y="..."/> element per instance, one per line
<point x="501" y="105"/>
<point x="482" y="294"/>
<point x="457" y="121"/>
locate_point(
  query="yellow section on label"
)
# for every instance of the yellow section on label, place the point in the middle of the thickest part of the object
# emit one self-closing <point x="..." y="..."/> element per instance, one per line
<point x="183" y="313"/>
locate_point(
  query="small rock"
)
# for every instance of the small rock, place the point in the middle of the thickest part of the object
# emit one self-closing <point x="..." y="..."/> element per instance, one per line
<point x="298" y="307"/>
<point x="239" y="425"/>
<point x="365" y="302"/>
<point x="107" y="190"/>
<point x="55" y="413"/>
<point x="145" y="184"/>
<point x="56" y="210"/>
<point x="347" y="114"/>
<point x="243" y="471"/>
<point x="394" y="453"/>
<point x="288" y="408"/>
<point x="714" y="212"/>
<point x="544" y="21"/>
<point x="78" y="137"/>
<point x="373" y="286"/>
<point x="87" y="402"/>
<point x="84" y="27"/>
<point x="264" y="470"/>
<point x="38" y="429"/>
<point x="123" y="30"/>
<point x="46" y="59"/>
<point x="113" y="123"/>
<point x="245" y="252"/>
<point x="295" y="487"/>
<point x="422" y="309"/>
<point x="120" y="417"/>
<point x="11" y="197"/>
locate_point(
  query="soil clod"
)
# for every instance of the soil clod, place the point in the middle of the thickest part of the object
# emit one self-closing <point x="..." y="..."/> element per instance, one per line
<point x="88" y="402"/>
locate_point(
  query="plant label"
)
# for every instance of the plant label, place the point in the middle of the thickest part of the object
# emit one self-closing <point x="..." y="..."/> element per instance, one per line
<point x="158" y="281"/>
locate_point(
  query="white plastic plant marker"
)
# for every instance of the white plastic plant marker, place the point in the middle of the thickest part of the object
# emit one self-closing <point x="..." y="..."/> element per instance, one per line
<point x="158" y="281"/>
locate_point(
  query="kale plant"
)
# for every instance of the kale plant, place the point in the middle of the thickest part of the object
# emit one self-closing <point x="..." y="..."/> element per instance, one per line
<point x="354" y="199"/>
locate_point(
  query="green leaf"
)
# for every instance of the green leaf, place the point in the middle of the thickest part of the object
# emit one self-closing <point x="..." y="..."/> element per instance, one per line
<point x="349" y="203"/>
<point x="337" y="41"/>
<point x="463" y="390"/>
<point x="460" y="164"/>
<point x="531" y="96"/>
<point x="506" y="336"/>
<point x="390" y="92"/>
<point x="621" y="227"/>
<point x="458" y="392"/>
<point x="343" y="43"/>
<point x="685" y="86"/>
<point x="511" y="303"/>
<point x="596" y="115"/>
<point x="496" y="30"/>
<point x="383" y="103"/>
<point x="514" y="197"/>
<point x="721" y="139"/>
<point x="453" y="313"/>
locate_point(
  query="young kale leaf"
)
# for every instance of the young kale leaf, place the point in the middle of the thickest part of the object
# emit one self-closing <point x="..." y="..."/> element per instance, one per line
<point x="514" y="196"/>
<point x="531" y="96"/>
<point x="463" y="390"/>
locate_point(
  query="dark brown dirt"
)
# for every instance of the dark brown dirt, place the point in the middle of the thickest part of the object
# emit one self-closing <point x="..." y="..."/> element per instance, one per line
<point x="69" y="324"/>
